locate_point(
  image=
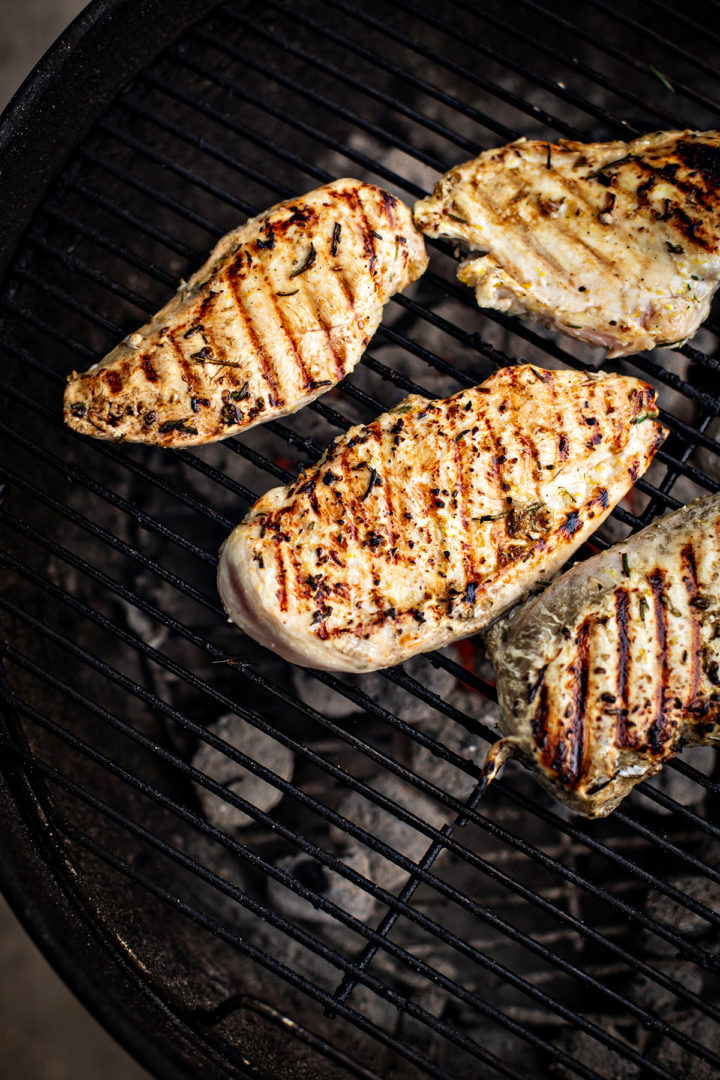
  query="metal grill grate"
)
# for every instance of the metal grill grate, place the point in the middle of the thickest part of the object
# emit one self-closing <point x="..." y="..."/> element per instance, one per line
<point x="368" y="915"/>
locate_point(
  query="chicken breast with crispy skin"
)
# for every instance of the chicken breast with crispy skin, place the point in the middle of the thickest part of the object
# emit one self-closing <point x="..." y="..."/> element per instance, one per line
<point x="282" y="310"/>
<point x="616" y="666"/>
<point x="421" y="527"/>
<point x="614" y="243"/>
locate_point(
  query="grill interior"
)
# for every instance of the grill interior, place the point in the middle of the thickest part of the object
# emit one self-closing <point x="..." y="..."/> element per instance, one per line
<point x="315" y="887"/>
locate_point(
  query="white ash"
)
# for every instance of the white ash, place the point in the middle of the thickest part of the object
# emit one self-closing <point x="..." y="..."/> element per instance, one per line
<point x="326" y="883"/>
<point x="660" y="999"/>
<point x="682" y="1064"/>
<point x="409" y="168"/>
<point x="388" y="695"/>
<point x="676" y="916"/>
<point x="425" y="991"/>
<point x="374" y="1008"/>
<point x="389" y="829"/>
<point x="603" y="1060"/>
<point x="256" y="745"/>
<point x="454" y="737"/>
<point x="147" y="629"/>
<point x="683" y="789"/>
<point x="225" y="864"/>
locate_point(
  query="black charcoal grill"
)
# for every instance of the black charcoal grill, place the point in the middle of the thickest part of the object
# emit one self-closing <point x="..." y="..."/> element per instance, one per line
<point x="314" y="888"/>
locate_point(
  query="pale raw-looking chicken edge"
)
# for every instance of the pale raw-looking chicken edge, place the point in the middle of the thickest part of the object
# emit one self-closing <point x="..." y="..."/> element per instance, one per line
<point x="615" y="243"/>
<point x="280" y="312"/>
<point x="607" y="674"/>
<point x="419" y="528"/>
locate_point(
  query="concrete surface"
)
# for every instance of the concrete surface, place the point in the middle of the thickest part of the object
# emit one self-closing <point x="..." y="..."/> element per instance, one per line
<point x="45" y="1034"/>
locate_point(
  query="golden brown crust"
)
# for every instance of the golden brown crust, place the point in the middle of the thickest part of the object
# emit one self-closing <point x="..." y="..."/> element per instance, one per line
<point x="422" y="526"/>
<point x="281" y="311"/>
<point x="614" y="243"/>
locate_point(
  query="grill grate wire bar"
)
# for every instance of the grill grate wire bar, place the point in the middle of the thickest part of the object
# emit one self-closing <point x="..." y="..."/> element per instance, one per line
<point x="660" y="495"/>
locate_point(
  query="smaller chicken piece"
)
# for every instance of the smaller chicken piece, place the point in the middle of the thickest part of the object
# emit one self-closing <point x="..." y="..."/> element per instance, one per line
<point x="607" y="674"/>
<point x="615" y="243"/>
<point x="281" y="311"/>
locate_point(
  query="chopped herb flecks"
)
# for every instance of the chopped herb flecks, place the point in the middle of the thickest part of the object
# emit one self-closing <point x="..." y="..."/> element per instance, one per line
<point x="307" y="264"/>
<point x="176" y="425"/>
<point x="239" y="395"/>
<point x="661" y="78"/>
<point x="371" y="485"/>
<point x="203" y="354"/>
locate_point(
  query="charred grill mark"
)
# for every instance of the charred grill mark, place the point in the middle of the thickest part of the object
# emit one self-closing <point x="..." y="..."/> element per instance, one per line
<point x="350" y="524"/>
<point x="370" y="251"/>
<point x="307" y="378"/>
<point x="512" y="219"/>
<point x="206" y="305"/>
<point x="604" y="262"/>
<point x="497" y="459"/>
<point x="571" y="769"/>
<point x="571" y="525"/>
<point x="622" y="617"/>
<point x="186" y="369"/>
<point x="327" y="331"/>
<point x="467" y="550"/>
<point x="530" y="450"/>
<point x="346" y="286"/>
<point x="659" y="440"/>
<point x="690" y="581"/>
<point x="114" y="380"/>
<point x="658" y="732"/>
<point x="533" y="690"/>
<point x="563" y="448"/>
<point x="281" y="577"/>
<point x="389" y="203"/>
<point x="692" y="228"/>
<point x="539" y="724"/>
<point x="703" y="158"/>
<point x="385" y="455"/>
<point x="244" y="316"/>
<point x="224" y="365"/>
<point x="435" y="542"/>
<point x="309" y="489"/>
<point x="149" y="370"/>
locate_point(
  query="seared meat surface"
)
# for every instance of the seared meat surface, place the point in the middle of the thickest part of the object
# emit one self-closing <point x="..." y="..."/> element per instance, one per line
<point x="616" y="666"/>
<point x="281" y="311"/>
<point x="420" y="527"/>
<point x="614" y="243"/>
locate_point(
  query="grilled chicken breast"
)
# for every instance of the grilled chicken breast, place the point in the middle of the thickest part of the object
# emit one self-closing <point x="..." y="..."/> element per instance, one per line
<point x="616" y="666"/>
<point x="614" y="243"/>
<point x="282" y="310"/>
<point x="422" y="526"/>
